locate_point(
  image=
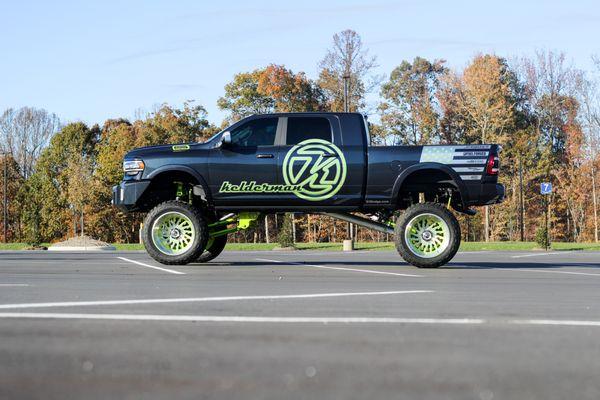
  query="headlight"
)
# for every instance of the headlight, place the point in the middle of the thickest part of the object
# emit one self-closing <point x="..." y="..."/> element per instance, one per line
<point x="132" y="167"/>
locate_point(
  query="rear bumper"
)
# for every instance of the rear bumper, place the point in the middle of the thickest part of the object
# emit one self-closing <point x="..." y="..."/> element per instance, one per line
<point x="126" y="195"/>
<point x="491" y="193"/>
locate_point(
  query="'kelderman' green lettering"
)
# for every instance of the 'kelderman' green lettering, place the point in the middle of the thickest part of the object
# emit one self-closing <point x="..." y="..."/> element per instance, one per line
<point x="253" y="187"/>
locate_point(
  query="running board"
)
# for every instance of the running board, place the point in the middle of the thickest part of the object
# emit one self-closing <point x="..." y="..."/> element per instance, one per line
<point x="367" y="223"/>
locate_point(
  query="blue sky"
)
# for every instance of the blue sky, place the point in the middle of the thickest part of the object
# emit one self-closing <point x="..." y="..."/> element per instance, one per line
<point x="93" y="60"/>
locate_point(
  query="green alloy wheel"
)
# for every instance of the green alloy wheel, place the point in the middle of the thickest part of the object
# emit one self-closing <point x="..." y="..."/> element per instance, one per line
<point x="427" y="235"/>
<point x="175" y="233"/>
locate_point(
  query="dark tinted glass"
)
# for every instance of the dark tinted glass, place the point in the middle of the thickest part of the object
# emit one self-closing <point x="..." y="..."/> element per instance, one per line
<point x="259" y="132"/>
<point x="299" y="129"/>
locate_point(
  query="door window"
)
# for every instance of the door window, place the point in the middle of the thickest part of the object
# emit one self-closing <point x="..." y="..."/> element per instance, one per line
<point x="258" y="132"/>
<point x="302" y="128"/>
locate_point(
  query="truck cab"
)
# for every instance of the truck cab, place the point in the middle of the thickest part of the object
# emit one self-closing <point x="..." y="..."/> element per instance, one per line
<point x="275" y="154"/>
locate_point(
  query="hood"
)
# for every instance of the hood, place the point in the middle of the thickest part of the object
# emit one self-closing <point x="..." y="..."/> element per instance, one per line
<point x="163" y="149"/>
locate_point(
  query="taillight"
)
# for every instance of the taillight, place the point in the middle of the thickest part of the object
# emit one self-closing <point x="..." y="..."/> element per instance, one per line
<point x="493" y="165"/>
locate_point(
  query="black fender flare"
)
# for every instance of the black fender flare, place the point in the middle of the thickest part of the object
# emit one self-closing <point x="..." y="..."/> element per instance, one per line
<point x="460" y="184"/>
<point x="186" y="169"/>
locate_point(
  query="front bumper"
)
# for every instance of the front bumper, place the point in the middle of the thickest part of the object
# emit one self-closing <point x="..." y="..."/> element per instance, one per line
<point x="491" y="193"/>
<point x="126" y="195"/>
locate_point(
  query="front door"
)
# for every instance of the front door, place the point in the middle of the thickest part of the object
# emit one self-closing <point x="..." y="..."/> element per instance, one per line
<point x="241" y="173"/>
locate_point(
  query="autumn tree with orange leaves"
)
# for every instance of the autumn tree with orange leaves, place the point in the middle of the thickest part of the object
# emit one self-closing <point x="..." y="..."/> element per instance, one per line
<point x="271" y="89"/>
<point x="408" y="107"/>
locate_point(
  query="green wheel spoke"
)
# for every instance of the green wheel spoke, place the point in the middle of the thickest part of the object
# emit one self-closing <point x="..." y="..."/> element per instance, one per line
<point x="427" y="235"/>
<point x="173" y="233"/>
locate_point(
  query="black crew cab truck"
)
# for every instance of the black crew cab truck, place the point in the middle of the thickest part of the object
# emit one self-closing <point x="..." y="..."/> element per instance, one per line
<point x="198" y="193"/>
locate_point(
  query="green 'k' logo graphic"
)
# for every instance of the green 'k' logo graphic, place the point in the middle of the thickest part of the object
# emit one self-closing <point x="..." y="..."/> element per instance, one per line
<point x="317" y="167"/>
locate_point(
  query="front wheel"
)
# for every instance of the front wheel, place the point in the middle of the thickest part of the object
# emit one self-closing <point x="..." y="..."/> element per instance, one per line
<point x="175" y="233"/>
<point x="427" y="235"/>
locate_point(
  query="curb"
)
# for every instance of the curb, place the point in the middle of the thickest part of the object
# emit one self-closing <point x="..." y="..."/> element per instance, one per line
<point x="82" y="248"/>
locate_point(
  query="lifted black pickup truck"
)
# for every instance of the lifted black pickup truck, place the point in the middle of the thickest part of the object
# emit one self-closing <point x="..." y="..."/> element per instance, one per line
<point x="322" y="163"/>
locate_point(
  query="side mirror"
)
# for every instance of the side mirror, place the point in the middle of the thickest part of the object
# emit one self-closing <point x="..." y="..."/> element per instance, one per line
<point x="225" y="139"/>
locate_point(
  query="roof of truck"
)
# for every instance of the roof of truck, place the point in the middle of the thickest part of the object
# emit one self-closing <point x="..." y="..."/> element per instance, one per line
<point x="287" y="114"/>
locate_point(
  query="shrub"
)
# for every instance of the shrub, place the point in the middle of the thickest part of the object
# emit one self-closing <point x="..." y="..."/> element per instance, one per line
<point x="541" y="238"/>
<point x="285" y="237"/>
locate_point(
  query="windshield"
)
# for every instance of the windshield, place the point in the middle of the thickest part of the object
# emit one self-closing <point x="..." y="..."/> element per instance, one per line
<point x="213" y="136"/>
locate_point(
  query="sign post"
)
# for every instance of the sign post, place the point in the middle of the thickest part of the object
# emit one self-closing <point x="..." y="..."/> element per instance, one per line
<point x="546" y="191"/>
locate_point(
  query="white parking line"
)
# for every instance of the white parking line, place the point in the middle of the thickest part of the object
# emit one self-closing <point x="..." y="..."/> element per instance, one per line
<point x="558" y="322"/>
<point x="546" y="271"/>
<point x="303" y="320"/>
<point x="320" y="253"/>
<point x="541" y="254"/>
<point x="235" y="318"/>
<point x="368" y="271"/>
<point x="13" y="284"/>
<point x="151" y="266"/>
<point x="203" y="299"/>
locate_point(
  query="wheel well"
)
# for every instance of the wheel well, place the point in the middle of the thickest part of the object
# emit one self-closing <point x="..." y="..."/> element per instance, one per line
<point x="163" y="187"/>
<point x="435" y="184"/>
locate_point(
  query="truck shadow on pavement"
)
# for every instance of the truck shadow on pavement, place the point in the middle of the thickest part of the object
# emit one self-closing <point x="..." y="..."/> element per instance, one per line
<point x="452" y="265"/>
<point x="519" y="265"/>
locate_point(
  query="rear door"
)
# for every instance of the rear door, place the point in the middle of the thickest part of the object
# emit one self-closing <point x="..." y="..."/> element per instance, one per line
<point x="312" y="163"/>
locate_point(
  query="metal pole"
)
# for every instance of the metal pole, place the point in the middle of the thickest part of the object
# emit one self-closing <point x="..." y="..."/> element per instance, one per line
<point x="267" y="228"/>
<point x="5" y="197"/>
<point x="468" y="229"/>
<point x="521" y="204"/>
<point x="547" y="210"/>
<point x="595" y="202"/>
<point x="346" y="102"/>
<point x="346" y="78"/>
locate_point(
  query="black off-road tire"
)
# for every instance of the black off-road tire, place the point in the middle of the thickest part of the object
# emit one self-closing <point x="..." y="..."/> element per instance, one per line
<point x="213" y="249"/>
<point x="453" y="230"/>
<point x="199" y="224"/>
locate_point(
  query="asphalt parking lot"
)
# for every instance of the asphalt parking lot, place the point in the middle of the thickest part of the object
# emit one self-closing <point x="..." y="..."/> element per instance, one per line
<point x="300" y="325"/>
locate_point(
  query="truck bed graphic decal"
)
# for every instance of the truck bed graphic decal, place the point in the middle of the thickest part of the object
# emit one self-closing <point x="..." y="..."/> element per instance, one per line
<point x="470" y="177"/>
<point x="468" y="169"/>
<point x="466" y="160"/>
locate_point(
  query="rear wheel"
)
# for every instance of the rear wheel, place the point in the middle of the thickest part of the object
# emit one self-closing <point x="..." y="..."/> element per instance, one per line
<point x="175" y="233"/>
<point x="214" y="247"/>
<point x="427" y="235"/>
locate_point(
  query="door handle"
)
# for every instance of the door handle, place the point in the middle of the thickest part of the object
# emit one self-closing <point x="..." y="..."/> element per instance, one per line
<point x="264" y="156"/>
<point x="326" y="155"/>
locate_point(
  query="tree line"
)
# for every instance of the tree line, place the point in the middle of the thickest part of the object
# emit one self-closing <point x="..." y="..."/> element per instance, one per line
<point x="543" y="111"/>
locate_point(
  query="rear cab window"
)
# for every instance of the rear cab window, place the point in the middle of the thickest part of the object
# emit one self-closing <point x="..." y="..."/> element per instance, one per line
<point x="303" y="128"/>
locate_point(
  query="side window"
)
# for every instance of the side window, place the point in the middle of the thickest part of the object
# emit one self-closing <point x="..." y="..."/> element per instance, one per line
<point x="302" y="128"/>
<point x="259" y="132"/>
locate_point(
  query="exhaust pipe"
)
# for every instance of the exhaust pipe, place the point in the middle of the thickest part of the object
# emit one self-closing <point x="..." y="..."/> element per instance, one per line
<point x="367" y="223"/>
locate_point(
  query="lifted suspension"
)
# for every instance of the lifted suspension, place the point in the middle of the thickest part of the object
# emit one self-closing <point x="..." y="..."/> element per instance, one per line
<point x="243" y="220"/>
<point x="367" y="223"/>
